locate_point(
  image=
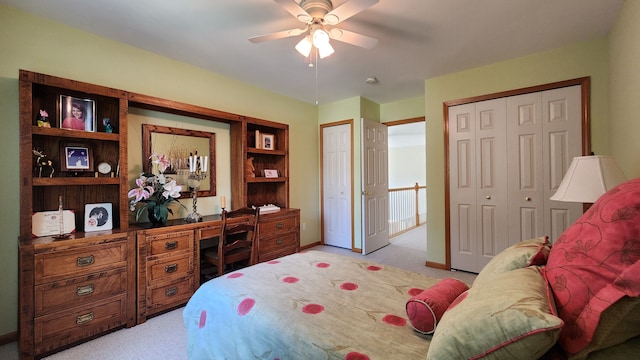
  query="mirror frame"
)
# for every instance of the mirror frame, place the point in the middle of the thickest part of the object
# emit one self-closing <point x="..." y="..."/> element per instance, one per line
<point x="147" y="150"/>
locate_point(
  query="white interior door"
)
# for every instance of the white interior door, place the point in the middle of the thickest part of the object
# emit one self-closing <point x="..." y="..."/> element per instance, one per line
<point x="477" y="183"/>
<point x="337" y="217"/>
<point x="462" y="185"/>
<point x="375" y="186"/>
<point x="562" y="134"/>
<point x="526" y="175"/>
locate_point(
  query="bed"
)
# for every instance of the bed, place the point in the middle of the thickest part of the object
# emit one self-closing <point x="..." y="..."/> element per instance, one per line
<point x="309" y="305"/>
<point x="576" y="299"/>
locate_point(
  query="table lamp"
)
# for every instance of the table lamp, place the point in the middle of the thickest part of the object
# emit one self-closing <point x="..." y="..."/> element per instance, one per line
<point x="588" y="178"/>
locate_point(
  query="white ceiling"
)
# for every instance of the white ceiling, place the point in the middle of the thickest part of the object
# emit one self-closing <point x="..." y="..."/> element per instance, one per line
<point x="418" y="39"/>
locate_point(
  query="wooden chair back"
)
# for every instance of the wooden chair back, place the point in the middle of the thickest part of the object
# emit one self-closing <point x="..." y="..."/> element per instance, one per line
<point x="238" y="239"/>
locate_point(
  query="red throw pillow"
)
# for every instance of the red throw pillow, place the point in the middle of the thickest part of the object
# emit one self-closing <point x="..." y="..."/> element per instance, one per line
<point x="595" y="262"/>
<point x="425" y="309"/>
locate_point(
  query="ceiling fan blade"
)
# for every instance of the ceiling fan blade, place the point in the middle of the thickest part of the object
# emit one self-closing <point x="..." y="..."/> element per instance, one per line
<point x="277" y="35"/>
<point x="347" y="10"/>
<point x="353" y="38"/>
<point x="294" y="9"/>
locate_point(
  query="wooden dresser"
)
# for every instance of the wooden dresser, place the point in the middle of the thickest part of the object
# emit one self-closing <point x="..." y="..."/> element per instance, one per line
<point x="279" y="234"/>
<point x="169" y="256"/>
<point x="81" y="287"/>
<point x="166" y="268"/>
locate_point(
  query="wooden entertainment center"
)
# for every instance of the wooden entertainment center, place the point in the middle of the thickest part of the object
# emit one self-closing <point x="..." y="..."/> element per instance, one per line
<point x="76" y="288"/>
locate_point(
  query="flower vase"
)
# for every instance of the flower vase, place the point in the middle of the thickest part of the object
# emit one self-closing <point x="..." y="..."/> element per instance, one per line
<point x="157" y="215"/>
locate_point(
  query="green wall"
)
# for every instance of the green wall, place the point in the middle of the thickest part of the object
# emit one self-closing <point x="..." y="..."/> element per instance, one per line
<point x="403" y="109"/>
<point x="625" y="89"/>
<point x="43" y="46"/>
<point x="579" y="60"/>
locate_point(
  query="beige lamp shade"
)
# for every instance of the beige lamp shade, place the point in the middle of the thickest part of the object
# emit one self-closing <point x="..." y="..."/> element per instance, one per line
<point x="588" y="178"/>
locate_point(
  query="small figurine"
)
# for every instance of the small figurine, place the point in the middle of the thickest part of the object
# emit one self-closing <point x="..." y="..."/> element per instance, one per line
<point x="43" y="119"/>
<point x="249" y="169"/>
<point x="42" y="162"/>
<point x="107" y="125"/>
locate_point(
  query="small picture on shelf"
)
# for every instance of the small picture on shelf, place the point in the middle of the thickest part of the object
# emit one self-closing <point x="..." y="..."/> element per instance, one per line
<point x="98" y="217"/>
<point x="270" y="173"/>
<point x="268" y="141"/>
<point x="76" y="157"/>
<point x="77" y="114"/>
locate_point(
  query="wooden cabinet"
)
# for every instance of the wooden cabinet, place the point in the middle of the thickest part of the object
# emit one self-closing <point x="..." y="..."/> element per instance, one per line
<point x="74" y="289"/>
<point x="84" y="285"/>
<point x="258" y="190"/>
<point x="166" y="269"/>
<point x="279" y="234"/>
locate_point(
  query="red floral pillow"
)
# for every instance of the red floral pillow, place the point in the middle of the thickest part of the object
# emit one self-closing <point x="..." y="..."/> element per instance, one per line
<point x="425" y="309"/>
<point x="595" y="262"/>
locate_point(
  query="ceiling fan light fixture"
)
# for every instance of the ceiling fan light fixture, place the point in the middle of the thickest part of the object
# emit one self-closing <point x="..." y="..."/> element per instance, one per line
<point x="304" y="46"/>
<point x="325" y="50"/>
<point x="320" y="37"/>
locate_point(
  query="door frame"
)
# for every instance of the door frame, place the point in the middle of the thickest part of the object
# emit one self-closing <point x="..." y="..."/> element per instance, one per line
<point x="585" y="86"/>
<point x="351" y="129"/>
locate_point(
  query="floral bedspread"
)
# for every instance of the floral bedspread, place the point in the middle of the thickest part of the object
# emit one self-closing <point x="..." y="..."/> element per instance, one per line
<point x="309" y="305"/>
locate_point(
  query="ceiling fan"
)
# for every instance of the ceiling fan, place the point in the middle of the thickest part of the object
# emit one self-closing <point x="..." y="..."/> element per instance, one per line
<point x="318" y="15"/>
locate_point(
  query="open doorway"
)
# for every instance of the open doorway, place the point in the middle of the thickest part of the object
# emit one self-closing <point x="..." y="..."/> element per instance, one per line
<point x="407" y="183"/>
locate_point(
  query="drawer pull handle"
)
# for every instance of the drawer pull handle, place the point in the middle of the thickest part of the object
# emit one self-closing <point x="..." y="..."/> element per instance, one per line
<point x="85" y="290"/>
<point x="85" y="261"/>
<point x="83" y="319"/>
<point x="171" y="245"/>
<point x="172" y="291"/>
<point x="279" y="226"/>
<point x="279" y="242"/>
<point x="171" y="268"/>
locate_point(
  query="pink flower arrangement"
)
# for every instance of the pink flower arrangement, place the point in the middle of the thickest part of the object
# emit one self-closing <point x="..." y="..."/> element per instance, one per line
<point x="156" y="192"/>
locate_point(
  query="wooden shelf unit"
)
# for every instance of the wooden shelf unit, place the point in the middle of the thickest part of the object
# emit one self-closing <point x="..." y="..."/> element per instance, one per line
<point x="260" y="190"/>
<point x="76" y="288"/>
<point x="103" y="264"/>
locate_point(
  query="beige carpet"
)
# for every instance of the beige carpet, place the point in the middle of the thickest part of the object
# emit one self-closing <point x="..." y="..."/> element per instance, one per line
<point x="164" y="336"/>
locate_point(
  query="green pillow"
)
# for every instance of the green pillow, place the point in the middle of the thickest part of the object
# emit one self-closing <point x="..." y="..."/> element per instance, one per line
<point x="511" y="317"/>
<point x="525" y="253"/>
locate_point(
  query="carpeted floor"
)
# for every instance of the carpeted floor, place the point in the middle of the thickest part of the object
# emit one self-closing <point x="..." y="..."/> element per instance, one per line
<point x="164" y="336"/>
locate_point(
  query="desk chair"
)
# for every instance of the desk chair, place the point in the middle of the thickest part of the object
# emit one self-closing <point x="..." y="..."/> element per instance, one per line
<point x="237" y="240"/>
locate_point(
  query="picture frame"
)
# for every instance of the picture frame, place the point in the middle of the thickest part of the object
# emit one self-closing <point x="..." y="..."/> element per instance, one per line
<point x="77" y="113"/>
<point x="268" y="142"/>
<point x="270" y="173"/>
<point x="76" y="157"/>
<point x="98" y="217"/>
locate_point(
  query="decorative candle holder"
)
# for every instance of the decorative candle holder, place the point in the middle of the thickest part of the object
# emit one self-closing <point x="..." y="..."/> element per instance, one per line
<point x="195" y="177"/>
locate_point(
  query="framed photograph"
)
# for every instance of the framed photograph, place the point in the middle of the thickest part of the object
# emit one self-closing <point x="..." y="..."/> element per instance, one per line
<point x="75" y="157"/>
<point x="77" y="114"/>
<point x="47" y="223"/>
<point x="268" y="141"/>
<point x="270" y="173"/>
<point x="98" y="217"/>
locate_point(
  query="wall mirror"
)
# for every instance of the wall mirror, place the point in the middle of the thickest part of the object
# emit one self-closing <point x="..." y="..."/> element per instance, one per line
<point x="178" y="145"/>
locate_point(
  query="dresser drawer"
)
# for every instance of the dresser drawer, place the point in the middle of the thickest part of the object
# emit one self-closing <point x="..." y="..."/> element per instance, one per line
<point x="78" y="262"/>
<point x="208" y="232"/>
<point x="170" y="295"/>
<point x="274" y="247"/>
<point x="278" y="226"/>
<point x="170" y="243"/>
<point x="169" y="269"/>
<point x="79" y="322"/>
<point x="78" y="291"/>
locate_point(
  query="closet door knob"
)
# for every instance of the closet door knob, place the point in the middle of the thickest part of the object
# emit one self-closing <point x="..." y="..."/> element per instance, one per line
<point x="488" y="197"/>
<point x="527" y="198"/>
